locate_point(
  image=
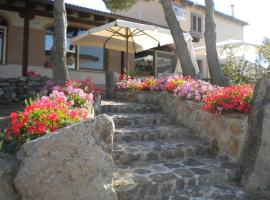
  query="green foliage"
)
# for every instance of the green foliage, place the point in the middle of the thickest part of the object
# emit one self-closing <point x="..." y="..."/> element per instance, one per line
<point x="119" y="4"/>
<point x="264" y="54"/>
<point x="11" y="144"/>
<point x="237" y="69"/>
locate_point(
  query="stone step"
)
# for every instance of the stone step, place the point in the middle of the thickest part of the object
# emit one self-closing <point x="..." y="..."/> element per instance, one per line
<point x="211" y="192"/>
<point x="141" y="120"/>
<point x="168" y="179"/>
<point x="127" y="107"/>
<point x="152" y="133"/>
<point x="132" y="152"/>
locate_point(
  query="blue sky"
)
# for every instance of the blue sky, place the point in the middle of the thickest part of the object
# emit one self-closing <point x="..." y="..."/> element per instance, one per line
<point x="256" y="13"/>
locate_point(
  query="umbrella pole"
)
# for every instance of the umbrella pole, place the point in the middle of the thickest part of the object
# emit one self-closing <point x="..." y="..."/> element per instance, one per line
<point x="126" y="59"/>
<point x="123" y="62"/>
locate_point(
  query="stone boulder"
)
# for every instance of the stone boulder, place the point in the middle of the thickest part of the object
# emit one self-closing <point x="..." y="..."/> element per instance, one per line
<point x="72" y="164"/>
<point x="255" y="158"/>
<point x="8" y="168"/>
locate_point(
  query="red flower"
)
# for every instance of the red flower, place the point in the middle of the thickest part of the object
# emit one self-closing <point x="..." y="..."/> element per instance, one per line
<point x="230" y="99"/>
<point x="53" y="117"/>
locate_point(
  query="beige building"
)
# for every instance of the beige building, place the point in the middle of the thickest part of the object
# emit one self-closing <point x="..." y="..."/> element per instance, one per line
<point x="191" y="18"/>
<point x="26" y="38"/>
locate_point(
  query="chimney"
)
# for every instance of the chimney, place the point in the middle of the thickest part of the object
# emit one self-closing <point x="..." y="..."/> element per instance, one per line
<point x="232" y="10"/>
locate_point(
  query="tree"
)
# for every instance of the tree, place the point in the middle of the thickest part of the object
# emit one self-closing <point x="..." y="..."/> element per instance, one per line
<point x="216" y="74"/>
<point x="60" y="70"/>
<point x="264" y="54"/>
<point x="119" y="4"/>
<point x="179" y="40"/>
<point x="176" y="31"/>
<point x="236" y="68"/>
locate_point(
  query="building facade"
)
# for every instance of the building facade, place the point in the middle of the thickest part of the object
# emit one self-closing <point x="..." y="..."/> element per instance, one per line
<point x="27" y="27"/>
<point x="26" y="38"/>
<point x="191" y="17"/>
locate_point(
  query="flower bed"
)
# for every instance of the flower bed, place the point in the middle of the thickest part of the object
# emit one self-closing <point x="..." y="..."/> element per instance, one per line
<point x="64" y="106"/>
<point x="216" y="99"/>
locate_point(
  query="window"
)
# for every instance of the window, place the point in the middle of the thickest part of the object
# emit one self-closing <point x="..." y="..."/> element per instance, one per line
<point x="3" y="35"/>
<point x="165" y="63"/>
<point x="71" y="32"/>
<point x="196" y="23"/>
<point x="71" y="50"/>
<point x="179" y="12"/>
<point x="200" y="65"/>
<point x="49" y="39"/>
<point x="91" y="57"/>
<point x="144" y="63"/>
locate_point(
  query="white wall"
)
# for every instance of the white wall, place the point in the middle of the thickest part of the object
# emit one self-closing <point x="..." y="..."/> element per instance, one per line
<point x="7" y="71"/>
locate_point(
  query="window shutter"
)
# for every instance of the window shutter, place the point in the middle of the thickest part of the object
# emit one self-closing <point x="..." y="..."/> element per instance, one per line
<point x="194" y="23"/>
<point x="199" y="24"/>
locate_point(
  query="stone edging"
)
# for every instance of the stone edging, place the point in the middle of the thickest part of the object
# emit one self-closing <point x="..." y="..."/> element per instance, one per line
<point x="16" y="90"/>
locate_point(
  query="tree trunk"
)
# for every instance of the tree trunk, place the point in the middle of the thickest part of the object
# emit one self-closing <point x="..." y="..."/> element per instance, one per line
<point x="268" y="72"/>
<point x="60" y="70"/>
<point x="179" y="40"/>
<point x="216" y="74"/>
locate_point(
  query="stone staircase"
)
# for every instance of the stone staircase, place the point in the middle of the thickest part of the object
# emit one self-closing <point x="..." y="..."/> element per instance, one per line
<point x="156" y="159"/>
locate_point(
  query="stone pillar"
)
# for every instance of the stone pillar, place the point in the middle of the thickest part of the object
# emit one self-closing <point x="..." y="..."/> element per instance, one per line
<point x="255" y="157"/>
<point x="111" y="83"/>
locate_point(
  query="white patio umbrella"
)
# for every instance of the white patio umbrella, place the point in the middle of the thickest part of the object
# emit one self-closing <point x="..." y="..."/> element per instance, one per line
<point x="125" y="36"/>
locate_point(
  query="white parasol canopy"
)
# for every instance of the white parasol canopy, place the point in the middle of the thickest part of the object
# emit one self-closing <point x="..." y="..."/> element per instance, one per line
<point x="126" y="36"/>
<point x="117" y="34"/>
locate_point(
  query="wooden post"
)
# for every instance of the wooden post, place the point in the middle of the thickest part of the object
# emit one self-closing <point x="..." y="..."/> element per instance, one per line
<point x="122" y="62"/>
<point x="77" y="57"/>
<point x="25" y="46"/>
<point x="154" y="63"/>
<point x="27" y="17"/>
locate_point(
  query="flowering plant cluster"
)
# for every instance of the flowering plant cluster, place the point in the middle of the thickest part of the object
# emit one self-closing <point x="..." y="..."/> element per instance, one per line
<point x="31" y="74"/>
<point x="64" y="106"/>
<point x="86" y="85"/>
<point x="75" y="95"/>
<point x="216" y="99"/>
<point x="150" y="83"/>
<point x="127" y="82"/>
<point x="195" y="89"/>
<point x="185" y="87"/>
<point x="236" y="98"/>
<point x="173" y="82"/>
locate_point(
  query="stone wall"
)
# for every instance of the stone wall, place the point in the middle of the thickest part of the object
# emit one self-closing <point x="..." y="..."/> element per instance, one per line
<point x="73" y="163"/>
<point x="15" y="90"/>
<point x="227" y="132"/>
